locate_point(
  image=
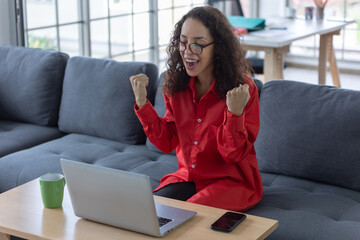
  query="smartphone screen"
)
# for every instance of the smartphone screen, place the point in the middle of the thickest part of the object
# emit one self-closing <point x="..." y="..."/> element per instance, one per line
<point x="228" y="221"/>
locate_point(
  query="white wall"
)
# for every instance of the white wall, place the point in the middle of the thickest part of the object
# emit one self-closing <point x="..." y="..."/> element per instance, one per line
<point x="272" y="8"/>
<point x="7" y="22"/>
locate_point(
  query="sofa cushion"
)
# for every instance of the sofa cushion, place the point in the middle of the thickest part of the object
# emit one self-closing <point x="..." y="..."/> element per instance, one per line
<point x="30" y="84"/>
<point x="310" y="131"/>
<point x="98" y="99"/>
<point x="15" y="136"/>
<point x="309" y="210"/>
<point x="29" y="164"/>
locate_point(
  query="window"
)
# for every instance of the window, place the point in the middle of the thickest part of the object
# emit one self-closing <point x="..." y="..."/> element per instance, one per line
<point x="52" y="24"/>
<point x="124" y="30"/>
<point x="139" y="30"/>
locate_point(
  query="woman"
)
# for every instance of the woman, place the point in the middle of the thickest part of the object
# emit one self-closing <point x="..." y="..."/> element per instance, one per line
<point x="212" y="116"/>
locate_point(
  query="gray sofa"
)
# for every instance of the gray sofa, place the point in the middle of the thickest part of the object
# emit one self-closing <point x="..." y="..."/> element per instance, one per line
<point x="53" y="106"/>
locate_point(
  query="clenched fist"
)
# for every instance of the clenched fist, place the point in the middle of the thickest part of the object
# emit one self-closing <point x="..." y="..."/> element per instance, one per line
<point x="237" y="98"/>
<point x="139" y="83"/>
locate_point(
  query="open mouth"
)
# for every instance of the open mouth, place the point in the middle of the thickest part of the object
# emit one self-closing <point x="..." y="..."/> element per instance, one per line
<point x="191" y="63"/>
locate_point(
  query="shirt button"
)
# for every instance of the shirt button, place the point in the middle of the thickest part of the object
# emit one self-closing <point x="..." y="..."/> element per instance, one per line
<point x="193" y="166"/>
<point x="199" y="120"/>
<point x="196" y="142"/>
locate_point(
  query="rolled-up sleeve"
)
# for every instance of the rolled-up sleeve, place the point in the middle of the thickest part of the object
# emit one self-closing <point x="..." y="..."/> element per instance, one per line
<point x="160" y="131"/>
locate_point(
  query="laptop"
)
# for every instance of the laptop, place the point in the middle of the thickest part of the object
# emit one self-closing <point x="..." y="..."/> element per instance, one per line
<point x="119" y="198"/>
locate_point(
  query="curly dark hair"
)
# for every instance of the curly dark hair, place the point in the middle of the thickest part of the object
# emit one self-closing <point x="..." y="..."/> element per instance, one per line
<point x="229" y="60"/>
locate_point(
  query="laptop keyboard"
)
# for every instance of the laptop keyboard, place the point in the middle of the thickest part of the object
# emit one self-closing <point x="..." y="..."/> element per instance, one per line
<point x="162" y="221"/>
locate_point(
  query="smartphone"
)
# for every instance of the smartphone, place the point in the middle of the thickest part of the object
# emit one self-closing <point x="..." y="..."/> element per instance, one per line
<point x="228" y="221"/>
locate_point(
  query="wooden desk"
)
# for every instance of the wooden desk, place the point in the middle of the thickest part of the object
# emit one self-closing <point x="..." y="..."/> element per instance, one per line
<point x="275" y="43"/>
<point x="22" y="214"/>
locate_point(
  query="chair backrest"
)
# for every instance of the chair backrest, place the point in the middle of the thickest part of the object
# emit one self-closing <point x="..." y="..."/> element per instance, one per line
<point x="238" y="4"/>
<point x="259" y="84"/>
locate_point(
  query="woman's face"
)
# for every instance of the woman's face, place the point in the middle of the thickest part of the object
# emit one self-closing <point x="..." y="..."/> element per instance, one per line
<point x="193" y="31"/>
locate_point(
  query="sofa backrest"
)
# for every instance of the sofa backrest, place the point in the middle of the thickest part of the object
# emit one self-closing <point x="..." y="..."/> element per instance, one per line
<point x="98" y="100"/>
<point x="310" y="131"/>
<point x="30" y="84"/>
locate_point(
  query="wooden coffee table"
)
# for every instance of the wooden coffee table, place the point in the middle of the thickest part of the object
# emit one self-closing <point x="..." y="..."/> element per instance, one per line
<point x="22" y="214"/>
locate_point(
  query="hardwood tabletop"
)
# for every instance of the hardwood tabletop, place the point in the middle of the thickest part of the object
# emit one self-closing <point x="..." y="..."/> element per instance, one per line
<point x="22" y="214"/>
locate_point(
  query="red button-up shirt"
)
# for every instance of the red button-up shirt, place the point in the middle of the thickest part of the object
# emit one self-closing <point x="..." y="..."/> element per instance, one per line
<point x="214" y="147"/>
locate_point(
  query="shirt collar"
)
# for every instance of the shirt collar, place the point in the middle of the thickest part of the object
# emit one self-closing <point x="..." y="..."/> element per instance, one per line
<point x="193" y="89"/>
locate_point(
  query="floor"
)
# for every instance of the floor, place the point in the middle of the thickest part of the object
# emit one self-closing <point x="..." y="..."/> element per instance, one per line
<point x="347" y="80"/>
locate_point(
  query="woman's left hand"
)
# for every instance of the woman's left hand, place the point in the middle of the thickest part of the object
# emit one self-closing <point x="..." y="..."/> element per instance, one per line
<point x="237" y="98"/>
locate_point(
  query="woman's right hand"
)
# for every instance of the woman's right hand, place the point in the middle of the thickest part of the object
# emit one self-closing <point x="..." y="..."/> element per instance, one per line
<point x="139" y="83"/>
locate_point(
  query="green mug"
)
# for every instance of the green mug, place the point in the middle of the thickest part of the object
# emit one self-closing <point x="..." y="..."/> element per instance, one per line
<point x="52" y="189"/>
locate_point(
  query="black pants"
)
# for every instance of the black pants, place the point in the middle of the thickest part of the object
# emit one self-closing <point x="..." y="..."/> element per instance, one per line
<point x="180" y="191"/>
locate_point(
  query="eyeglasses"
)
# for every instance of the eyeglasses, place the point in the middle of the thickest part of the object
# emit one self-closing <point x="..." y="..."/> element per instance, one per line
<point x="194" y="47"/>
